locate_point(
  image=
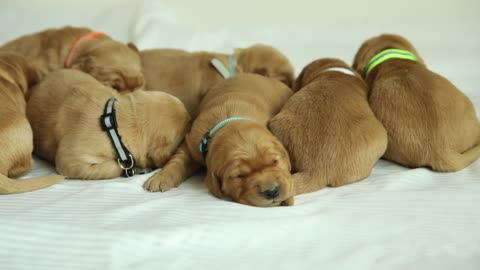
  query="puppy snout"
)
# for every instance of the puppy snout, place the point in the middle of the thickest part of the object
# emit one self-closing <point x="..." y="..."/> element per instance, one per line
<point x="271" y="192"/>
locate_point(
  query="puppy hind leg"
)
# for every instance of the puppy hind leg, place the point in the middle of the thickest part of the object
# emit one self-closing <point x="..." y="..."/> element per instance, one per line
<point x="21" y="167"/>
<point x="452" y="162"/>
<point x="304" y="182"/>
<point x="88" y="167"/>
<point x="180" y="166"/>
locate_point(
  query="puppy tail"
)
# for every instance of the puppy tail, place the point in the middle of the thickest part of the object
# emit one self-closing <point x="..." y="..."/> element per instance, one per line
<point x="11" y="186"/>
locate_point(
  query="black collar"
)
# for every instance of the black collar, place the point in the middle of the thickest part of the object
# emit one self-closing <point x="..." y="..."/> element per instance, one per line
<point x="108" y="120"/>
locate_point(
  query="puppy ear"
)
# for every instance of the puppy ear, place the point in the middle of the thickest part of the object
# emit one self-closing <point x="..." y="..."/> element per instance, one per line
<point x="298" y="83"/>
<point x="214" y="184"/>
<point x="284" y="155"/>
<point x="85" y="64"/>
<point x="240" y="54"/>
<point x="133" y="47"/>
<point x="356" y="63"/>
<point x="286" y="78"/>
<point x="33" y="75"/>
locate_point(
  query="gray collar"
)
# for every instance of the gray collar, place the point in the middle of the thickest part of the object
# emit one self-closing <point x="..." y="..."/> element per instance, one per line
<point x="226" y="73"/>
<point x="125" y="160"/>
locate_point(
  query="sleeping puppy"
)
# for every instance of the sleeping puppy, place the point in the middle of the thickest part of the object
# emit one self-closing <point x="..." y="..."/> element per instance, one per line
<point x="189" y="76"/>
<point x="429" y="121"/>
<point x="65" y="112"/>
<point x="16" y="139"/>
<point x="244" y="161"/>
<point x="328" y="129"/>
<point x="112" y="63"/>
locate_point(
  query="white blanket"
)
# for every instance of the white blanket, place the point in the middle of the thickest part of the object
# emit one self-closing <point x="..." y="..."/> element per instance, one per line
<point x="397" y="218"/>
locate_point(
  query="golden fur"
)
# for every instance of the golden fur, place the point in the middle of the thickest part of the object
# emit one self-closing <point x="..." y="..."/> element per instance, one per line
<point x="331" y="134"/>
<point x="112" y="63"/>
<point x="65" y="108"/>
<point x="429" y="121"/>
<point x="16" y="139"/>
<point x="189" y="76"/>
<point x="244" y="159"/>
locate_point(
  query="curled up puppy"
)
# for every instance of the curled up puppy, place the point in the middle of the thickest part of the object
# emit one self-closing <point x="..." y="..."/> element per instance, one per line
<point x="16" y="138"/>
<point x="90" y="131"/>
<point x="244" y="161"/>
<point x="430" y="123"/>
<point x="189" y="76"/>
<point x="112" y="63"/>
<point x="328" y="129"/>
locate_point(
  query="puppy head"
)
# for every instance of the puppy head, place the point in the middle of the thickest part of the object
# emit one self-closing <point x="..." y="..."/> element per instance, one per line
<point x="315" y="68"/>
<point x="14" y="68"/>
<point x="164" y="122"/>
<point x="112" y="63"/>
<point x="373" y="46"/>
<point x="266" y="61"/>
<point x="253" y="169"/>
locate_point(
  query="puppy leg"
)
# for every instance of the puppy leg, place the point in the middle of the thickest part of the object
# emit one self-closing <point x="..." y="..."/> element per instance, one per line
<point x="87" y="167"/>
<point x="288" y="202"/>
<point x="21" y="167"/>
<point x="177" y="170"/>
<point x="304" y="182"/>
<point x="78" y="160"/>
<point x="79" y="164"/>
<point x="452" y="162"/>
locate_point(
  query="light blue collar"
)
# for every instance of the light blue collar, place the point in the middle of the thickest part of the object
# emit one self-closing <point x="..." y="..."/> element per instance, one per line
<point x="226" y="73"/>
<point x="203" y="147"/>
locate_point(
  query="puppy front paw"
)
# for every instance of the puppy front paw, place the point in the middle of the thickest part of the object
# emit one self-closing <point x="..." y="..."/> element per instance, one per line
<point x="160" y="182"/>
<point x="287" y="202"/>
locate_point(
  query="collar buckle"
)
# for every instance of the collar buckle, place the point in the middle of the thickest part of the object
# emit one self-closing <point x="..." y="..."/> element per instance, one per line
<point x="128" y="166"/>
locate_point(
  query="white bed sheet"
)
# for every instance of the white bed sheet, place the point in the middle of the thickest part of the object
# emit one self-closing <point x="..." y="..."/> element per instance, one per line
<point x="397" y="218"/>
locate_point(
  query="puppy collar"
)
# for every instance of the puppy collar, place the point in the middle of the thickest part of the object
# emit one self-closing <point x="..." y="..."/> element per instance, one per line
<point x="79" y="41"/>
<point x="226" y="73"/>
<point x="203" y="147"/>
<point x="108" y="120"/>
<point x="340" y="69"/>
<point x="387" y="55"/>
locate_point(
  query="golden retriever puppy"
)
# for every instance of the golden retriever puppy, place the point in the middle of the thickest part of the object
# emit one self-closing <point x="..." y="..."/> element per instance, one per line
<point x="16" y="139"/>
<point x="68" y="111"/>
<point x="244" y="161"/>
<point x="328" y="129"/>
<point x="429" y="121"/>
<point x="189" y="76"/>
<point x="112" y="63"/>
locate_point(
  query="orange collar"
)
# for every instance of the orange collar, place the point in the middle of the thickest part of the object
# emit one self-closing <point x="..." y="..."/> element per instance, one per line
<point x="83" y="39"/>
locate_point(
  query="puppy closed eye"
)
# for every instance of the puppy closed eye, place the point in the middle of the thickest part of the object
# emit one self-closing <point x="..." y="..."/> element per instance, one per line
<point x="261" y="71"/>
<point x="118" y="85"/>
<point x="239" y="176"/>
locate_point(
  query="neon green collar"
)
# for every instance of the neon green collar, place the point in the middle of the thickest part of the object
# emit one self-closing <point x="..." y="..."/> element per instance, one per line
<point x="387" y="55"/>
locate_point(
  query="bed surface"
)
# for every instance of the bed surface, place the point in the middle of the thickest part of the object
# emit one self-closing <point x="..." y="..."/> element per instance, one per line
<point x="397" y="218"/>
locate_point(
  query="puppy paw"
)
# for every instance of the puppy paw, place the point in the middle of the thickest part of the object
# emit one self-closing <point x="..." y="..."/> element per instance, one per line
<point x="159" y="183"/>
<point x="287" y="202"/>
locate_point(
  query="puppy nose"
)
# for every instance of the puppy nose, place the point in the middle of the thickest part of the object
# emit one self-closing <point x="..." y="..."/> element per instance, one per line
<point x="271" y="193"/>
